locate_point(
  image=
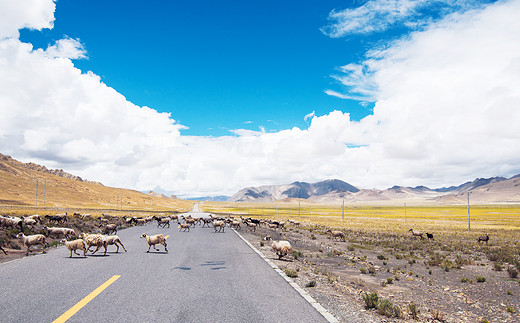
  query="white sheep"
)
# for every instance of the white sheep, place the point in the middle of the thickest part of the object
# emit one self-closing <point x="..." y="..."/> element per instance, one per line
<point x="11" y="222"/>
<point x="153" y="240"/>
<point x="281" y="247"/>
<point x="32" y="240"/>
<point x="220" y="225"/>
<point x="114" y="240"/>
<point x="67" y="232"/>
<point x="184" y="226"/>
<point x="95" y="239"/>
<point x="337" y="234"/>
<point x="75" y="245"/>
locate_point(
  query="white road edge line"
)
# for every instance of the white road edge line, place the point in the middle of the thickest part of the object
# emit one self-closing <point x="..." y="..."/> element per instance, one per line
<point x="328" y="316"/>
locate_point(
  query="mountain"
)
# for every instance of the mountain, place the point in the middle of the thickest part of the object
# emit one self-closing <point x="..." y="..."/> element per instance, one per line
<point x="269" y="193"/>
<point x="219" y="198"/>
<point x="494" y="190"/>
<point x="28" y="184"/>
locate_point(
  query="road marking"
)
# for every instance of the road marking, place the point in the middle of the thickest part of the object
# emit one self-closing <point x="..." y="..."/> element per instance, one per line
<point x="166" y="237"/>
<point x="79" y="305"/>
<point x="328" y="316"/>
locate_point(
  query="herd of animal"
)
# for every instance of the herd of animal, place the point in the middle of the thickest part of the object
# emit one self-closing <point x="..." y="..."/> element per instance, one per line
<point x="85" y="241"/>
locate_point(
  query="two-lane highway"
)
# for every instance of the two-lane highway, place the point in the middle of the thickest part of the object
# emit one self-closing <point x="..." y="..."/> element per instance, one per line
<point x="205" y="277"/>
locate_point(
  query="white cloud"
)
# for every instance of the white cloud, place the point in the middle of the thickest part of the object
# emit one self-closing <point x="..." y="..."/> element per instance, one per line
<point x="446" y="110"/>
<point x="66" y="48"/>
<point x="309" y="116"/>
<point x="380" y="15"/>
<point x="33" y="14"/>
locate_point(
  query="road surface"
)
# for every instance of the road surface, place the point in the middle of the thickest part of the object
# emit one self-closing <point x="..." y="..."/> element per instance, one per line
<point x="205" y="277"/>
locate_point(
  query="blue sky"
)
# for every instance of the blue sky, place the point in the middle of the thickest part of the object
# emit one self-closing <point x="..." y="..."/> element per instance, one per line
<point x="214" y="65"/>
<point x="206" y="98"/>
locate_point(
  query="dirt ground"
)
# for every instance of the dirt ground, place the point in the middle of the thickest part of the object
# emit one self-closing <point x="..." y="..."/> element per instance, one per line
<point x="423" y="280"/>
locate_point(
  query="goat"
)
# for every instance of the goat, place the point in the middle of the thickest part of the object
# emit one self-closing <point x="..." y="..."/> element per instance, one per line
<point x="153" y="240"/>
<point x="417" y="234"/>
<point x="483" y="238"/>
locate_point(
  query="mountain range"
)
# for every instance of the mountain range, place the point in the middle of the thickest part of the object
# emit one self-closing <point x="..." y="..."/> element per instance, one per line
<point x="495" y="190"/>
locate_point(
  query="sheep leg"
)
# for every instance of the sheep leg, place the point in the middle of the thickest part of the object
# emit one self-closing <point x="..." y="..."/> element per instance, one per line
<point x="122" y="246"/>
<point x="149" y="246"/>
<point x="165" y="249"/>
<point x="105" y="245"/>
<point x="96" y="249"/>
<point x="71" y="254"/>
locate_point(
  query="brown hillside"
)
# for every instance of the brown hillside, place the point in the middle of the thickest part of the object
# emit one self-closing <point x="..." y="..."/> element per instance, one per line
<point x="62" y="190"/>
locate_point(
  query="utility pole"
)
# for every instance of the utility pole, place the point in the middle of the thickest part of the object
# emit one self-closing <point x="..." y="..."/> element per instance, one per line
<point x="36" y="196"/>
<point x="469" y="219"/>
<point x="405" y="213"/>
<point x="299" y="208"/>
<point x="343" y="210"/>
<point x="44" y="187"/>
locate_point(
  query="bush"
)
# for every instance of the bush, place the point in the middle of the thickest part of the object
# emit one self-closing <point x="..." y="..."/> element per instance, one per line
<point x="414" y="312"/>
<point x="498" y="266"/>
<point x="371" y="300"/>
<point x="291" y="273"/>
<point x="386" y="308"/>
<point x="297" y="254"/>
<point x="480" y="279"/>
<point x="390" y="280"/>
<point x="513" y="273"/>
<point x="363" y="270"/>
<point x="311" y="284"/>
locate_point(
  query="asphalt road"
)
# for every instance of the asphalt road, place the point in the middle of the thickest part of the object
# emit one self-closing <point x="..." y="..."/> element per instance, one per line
<point x="205" y="277"/>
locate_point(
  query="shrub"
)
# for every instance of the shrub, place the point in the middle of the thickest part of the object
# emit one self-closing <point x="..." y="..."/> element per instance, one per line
<point x="513" y="273"/>
<point x="291" y="273"/>
<point x="363" y="270"/>
<point x="371" y="300"/>
<point x="381" y="257"/>
<point x="390" y="280"/>
<point x="498" y="266"/>
<point x="414" y="312"/>
<point x="386" y="308"/>
<point x="261" y="243"/>
<point x="311" y="284"/>
<point x="297" y="254"/>
<point x="480" y="279"/>
<point x="313" y="237"/>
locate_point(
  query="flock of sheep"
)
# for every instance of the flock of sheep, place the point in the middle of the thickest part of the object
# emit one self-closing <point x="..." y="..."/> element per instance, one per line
<point x="85" y="241"/>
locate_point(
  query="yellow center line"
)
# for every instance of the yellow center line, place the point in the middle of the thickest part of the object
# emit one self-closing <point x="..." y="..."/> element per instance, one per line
<point x="166" y="237"/>
<point x="74" y="309"/>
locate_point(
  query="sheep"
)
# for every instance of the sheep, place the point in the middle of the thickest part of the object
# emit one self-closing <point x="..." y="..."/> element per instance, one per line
<point x="272" y="226"/>
<point x="337" y="234"/>
<point x="281" y="247"/>
<point x="58" y="218"/>
<point x="130" y="220"/>
<point x="220" y="225"/>
<point x="184" y="226"/>
<point x="95" y="239"/>
<point x="162" y="222"/>
<point x="11" y="222"/>
<point x="252" y="226"/>
<point x="36" y="217"/>
<point x="32" y="240"/>
<point x="234" y="224"/>
<point x="206" y="221"/>
<point x="141" y="221"/>
<point x="174" y="217"/>
<point x="28" y="221"/>
<point x="110" y="229"/>
<point x="115" y="240"/>
<point x="429" y="235"/>
<point x="60" y="231"/>
<point x="483" y="238"/>
<point x="417" y="234"/>
<point x="85" y="216"/>
<point x="153" y="240"/>
<point x="75" y="245"/>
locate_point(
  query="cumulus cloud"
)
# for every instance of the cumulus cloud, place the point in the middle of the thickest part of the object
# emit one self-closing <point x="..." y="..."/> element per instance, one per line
<point x="309" y="116"/>
<point x="446" y="109"/>
<point x="32" y="14"/>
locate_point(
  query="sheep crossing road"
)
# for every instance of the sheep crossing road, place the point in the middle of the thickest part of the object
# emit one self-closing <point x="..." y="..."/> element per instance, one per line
<point x="205" y="277"/>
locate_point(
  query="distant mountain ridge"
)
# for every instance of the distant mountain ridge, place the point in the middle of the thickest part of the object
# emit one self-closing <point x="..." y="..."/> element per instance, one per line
<point x="483" y="190"/>
<point x="269" y="193"/>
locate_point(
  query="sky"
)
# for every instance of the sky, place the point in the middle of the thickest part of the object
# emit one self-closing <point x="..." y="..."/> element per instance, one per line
<point x="205" y="98"/>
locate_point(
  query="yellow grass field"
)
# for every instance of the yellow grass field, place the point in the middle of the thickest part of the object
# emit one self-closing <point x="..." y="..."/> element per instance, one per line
<point x="493" y="218"/>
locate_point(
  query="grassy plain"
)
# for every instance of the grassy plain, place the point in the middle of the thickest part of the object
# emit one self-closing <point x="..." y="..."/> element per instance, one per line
<point x="502" y="219"/>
